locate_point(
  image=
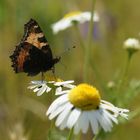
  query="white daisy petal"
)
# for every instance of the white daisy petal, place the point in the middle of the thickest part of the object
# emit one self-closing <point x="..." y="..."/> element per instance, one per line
<point x="100" y="120"/>
<point x="108" y="107"/>
<point x="48" y="89"/>
<point x="60" y="100"/>
<point x="104" y="121"/>
<point x="114" y="119"/>
<point x="75" y="113"/>
<point x="62" y="92"/>
<point x="36" y="89"/>
<point x="84" y="122"/>
<point x="63" y="83"/>
<point x="93" y="121"/>
<point x="124" y="116"/>
<point x="122" y="112"/>
<point x="42" y="90"/>
<point x="64" y="123"/>
<point x="108" y="103"/>
<point x="51" y="82"/>
<point x="32" y="86"/>
<point x="57" y="111"/>
<point x="69" y="86"/>
<point x="64" y="114"/>
<point x="59" y="89"/>
<point x="77" y="128"/>
<point x="36" y="82"/>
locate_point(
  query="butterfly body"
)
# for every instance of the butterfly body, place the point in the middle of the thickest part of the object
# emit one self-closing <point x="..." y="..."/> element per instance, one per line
<point x="33" y="54"/>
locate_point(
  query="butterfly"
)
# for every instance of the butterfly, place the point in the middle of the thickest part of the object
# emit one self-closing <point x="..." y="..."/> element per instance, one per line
<point x="33" y="54"/>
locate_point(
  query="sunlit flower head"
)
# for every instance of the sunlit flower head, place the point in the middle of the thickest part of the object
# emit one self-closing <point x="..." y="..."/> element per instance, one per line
<point x="82" y="108"/>
<point x="132" y="44"/>
<point x="73" y="17"/>
<point x="46" y="86"/>
<point x="111" y="84"/>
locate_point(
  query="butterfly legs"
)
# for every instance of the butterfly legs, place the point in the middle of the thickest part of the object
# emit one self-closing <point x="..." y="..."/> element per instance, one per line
<point x="53" y="71"/>
<point x="42" y="76"/>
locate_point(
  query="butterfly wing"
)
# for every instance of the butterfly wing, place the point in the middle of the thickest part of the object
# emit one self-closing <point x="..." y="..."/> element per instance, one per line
<point x="33" y="54"/>
<point x="34" y="35"/>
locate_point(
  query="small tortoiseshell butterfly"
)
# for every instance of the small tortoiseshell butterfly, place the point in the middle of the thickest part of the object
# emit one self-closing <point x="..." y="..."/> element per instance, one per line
<point x="33" y="54"/>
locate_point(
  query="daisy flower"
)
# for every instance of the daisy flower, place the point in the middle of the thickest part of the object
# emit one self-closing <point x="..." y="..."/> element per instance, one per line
<point x="132" y="44"/>
<point x="68" y="20"/>
<point x="82" y="108"/>
<point x="46" y="86"/>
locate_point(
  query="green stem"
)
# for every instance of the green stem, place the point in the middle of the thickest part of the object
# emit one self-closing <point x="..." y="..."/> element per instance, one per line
<point x="89" y="41"/>
<point x="79" y="136"/>
<point x="70" y="135"/>
<point x="90" y="32"/>
<point x="124" y="77"/>
<point x="79" y="36"/>
<point x="94" y="138"/>
<point x="97" y="76"/>
<point x="50" y="130"/>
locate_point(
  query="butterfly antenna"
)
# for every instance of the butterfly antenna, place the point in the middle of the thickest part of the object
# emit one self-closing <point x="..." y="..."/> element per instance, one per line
<point x="62" y="53"/>
<point x="67" y="50"/>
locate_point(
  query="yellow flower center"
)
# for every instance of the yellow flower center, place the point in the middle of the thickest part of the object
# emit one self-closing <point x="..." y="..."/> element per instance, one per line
<point x="85" y="97"/>
<point x="53" y="78"/>
<point x="71" y="14"/>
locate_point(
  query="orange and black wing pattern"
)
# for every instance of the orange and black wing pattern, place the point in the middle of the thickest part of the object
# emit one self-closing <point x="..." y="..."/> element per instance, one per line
<point x="33" y="54"/>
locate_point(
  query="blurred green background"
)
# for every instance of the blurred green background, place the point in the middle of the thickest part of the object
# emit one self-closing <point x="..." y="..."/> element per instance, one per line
<point x="22" y="113"/>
